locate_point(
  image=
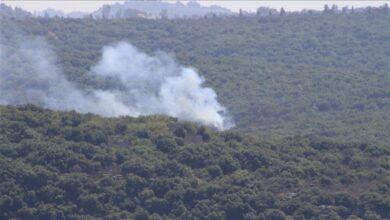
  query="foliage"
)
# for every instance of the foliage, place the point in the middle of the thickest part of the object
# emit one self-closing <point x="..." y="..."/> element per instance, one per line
<point x="309" y="94"/>
<point x="174" y="173"/>
<point x="316" y="74"/>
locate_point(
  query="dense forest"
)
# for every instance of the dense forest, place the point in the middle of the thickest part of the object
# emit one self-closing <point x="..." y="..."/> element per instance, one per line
<point x="309" y="95"/>
<point x="297" y="74"/>
<point x="65" y="165"/>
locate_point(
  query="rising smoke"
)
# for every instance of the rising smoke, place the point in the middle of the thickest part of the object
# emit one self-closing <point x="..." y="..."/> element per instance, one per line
<point x="145" y="85"/>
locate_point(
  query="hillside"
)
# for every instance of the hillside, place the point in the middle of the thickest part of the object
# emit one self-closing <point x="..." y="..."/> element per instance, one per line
<point x="279" y="76"/>
<point x="65" y="165"/>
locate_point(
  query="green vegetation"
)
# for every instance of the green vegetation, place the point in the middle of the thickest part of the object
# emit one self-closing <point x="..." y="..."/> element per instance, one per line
<point x="321" y="74"/>
<point x="309" y="93"/>
<point x="64" y="165"/>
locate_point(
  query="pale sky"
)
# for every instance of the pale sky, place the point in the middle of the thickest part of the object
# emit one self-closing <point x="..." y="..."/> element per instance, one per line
<point x="90" y="5"/>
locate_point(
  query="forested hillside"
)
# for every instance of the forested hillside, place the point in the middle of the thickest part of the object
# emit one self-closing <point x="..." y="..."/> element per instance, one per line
<point x="299" y="74"/>
<point x="309" y="95"/>
<point x="65" y="165"/>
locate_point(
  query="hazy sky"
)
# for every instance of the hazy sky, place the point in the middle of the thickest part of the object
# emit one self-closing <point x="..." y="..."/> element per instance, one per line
<point x="89" y="6"/>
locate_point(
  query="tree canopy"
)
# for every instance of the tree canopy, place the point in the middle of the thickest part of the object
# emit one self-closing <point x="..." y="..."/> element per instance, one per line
<point x="65" y="165"/>
<point x="309" y="94"/>
<point x="279" y="76"/>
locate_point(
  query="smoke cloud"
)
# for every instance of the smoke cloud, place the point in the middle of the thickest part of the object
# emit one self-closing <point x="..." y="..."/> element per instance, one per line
<point x="144" y="85"/>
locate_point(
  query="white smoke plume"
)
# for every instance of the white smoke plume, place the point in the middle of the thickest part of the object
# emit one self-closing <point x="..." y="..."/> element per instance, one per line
<point x="147" y="85"/>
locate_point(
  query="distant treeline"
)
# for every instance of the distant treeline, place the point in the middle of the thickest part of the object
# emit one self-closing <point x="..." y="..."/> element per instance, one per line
<point x="164" y="10"/>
